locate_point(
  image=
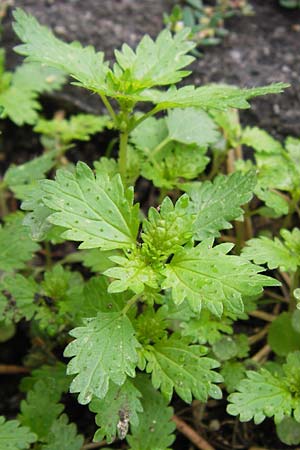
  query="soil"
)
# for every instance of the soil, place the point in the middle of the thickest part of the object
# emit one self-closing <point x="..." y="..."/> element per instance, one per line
<point x="258" y="50"/>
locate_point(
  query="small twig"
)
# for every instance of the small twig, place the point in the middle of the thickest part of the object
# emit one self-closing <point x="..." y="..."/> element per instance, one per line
<point x="262" y="353"/>
<point x="275" y="296"/>
<point x="263" y="315"/>
<point x="6" y="369"/>
<point x="191" y="434"/>
<point x="92" y="445"/>
<point x="258" y="336"/>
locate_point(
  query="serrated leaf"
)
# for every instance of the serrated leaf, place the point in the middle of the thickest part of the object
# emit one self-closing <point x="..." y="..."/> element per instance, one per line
<point x="38" y="78"/>
<point x="218" y="202"/>
<point x="233" y="373"/>
<point x="20" y="299"/>
<point x="133" y="272"/>
<point x="208" y="97"/>
<point x="16" y="246"/>
<point x="41" y="408"/>
<point x="120" y="407"/>
<point x="97" y="211"/>
<point x="20" y="106"/>
<point x="207" y="276"/>
<point x="191" y="126"/>
<point x="206" y="328"/>
<point x="263" y="394"/>
<point x="166" y="230"/>
<point x="276" y="253"/>
<point x="63" y="436"/>
<point x="155" y="427"/>
<point x="56" y="373"/>
<point x="261" y="141"/>
<point x="79" y="127"/>
<point x="40" y="45"/>
<point x="104" y="350"/>
<point x="177" y="366"/>
<point x="97" y="260"/>
<point x="13" y="436"/>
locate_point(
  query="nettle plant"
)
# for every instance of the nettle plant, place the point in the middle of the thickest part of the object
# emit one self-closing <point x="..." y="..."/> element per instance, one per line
<point x="157" y="317"/>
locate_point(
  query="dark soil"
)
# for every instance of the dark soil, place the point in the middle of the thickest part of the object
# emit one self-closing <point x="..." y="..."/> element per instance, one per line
<point x="258" y="50"/>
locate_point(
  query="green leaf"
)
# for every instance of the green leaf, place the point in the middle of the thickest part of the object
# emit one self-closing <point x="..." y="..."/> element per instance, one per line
<point x="37" y="78"/>
<point x="97" y="211"/>
<point x="13" y="436"/>
<point x="282" y="336"/>
<point x="218" y="202"/>
<point x="104" y="349"/>
<point x="41" y="408"/>
<point x="207" y="275"/>
<point x="79" y="127"/>
<point x="288" y="431"/>
<point x="133" y="272"/>
<point x="175" y="365"/>
<point x="233" y="373"/>
<point x="155" y="63"/>
<point x="20" y="106"/>
<point x="206" y="328"/>
<point x="168" y="229"/>
<point x="20" y="297"/>
<point x="261" y="141"/>
<point x="118" y="409"/>
<point x="40" y="45"/>
<point x="63" y="436"/>
<point x="208" y="97"/>
<point x="276" y="253"/>
<point x="55" y="374"/>
<point x="155" y="427"/>
<point x="16" y="246"/>
<point x="29" y="172"/>
<point x="97" y="260"/>
<point x="260" y="395"/>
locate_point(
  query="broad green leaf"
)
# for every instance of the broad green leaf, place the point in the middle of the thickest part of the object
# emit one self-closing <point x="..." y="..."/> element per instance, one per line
<point x="191" y="126"/>
<point x="282" y="336"/>
<point x="20" y="106"/>
<point x="40" y="45"/>
<point x="175" y="365"/>
<point x="263" y="394"/>
<point x="288" y="431"/>
<point x="208" y="97"/>
<point x="13" y="436"/>
<point x="217" y="203"/>
<point x="229" y="347"/>
<point x="41" y="408"/>
<point x="261" y="141"/>
<point x="155" y="63"/>
<point x="48" y="374"/>
<point x="118" y="409"/>
<point x="103" y="350"/>
<point x="16" y="246"/>
<point x="233" y="373"/>
<point x="207" y="276"/>
<point x="97" y="260"/>
<point x="79" y="127"/>
<point x="63" y="436"/>
<point x="38" y="78"/>
<point x="276" y="253"/>
<point x="21" y="293"/>
<point x="154" y="430"/>
<point x="166" y="230"/>
<point x="97" y="211"/>
<point x="206" y="328"/>
<point x="133" y="272"/>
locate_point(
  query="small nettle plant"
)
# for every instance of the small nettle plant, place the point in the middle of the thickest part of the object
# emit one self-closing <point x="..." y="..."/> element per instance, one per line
<point x="157" y="317"/>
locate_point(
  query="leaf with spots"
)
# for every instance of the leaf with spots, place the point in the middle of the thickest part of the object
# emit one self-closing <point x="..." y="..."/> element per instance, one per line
<point x="95" y="210"/>
<point x="104" y="349"/>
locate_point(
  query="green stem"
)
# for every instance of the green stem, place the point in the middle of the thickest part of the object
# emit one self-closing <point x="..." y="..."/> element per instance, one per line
<point x="109" y="108"/>
<point x="3" y="206"/>
<point x="123" y="153"/>
<point x="144" y="117"/>
<point x="294" y="285"/>
<point x="129" y="304"/>
<point x="161" y="145"/>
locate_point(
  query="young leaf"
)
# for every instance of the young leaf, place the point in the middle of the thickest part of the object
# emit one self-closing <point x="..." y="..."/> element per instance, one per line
<point x="207" y="275"/>
<point x="104" y="350"/>
<point x="233" y="373"/>
<point x="282" y="336"/>
<point x="263" y="394"/>
<point x="276" y="253"/>
<point x="48" y="374"/>
<point x="40" y="45"/>
<point x="97" y="211"/>
<point x="16" y="246"/>
<point x="217" y="203"/>
<point x="206" y="328"/>
<point x="63" y="436"/>
<point x="168" y="229"/>
<point x="121" y="404"/>
<point x="41" y="408"/>
<point x="155" y="427"/>
<point x="288" y="431"/>
<point x="261" y="141"/>
<point x="175" y="365"/>
<point x="13" y="436"/>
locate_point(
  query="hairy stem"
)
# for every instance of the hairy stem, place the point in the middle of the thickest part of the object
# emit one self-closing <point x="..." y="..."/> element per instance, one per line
<point x="129" y="304"/>
<point x="123" y="153"/>
<point x="109" y="108"/>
